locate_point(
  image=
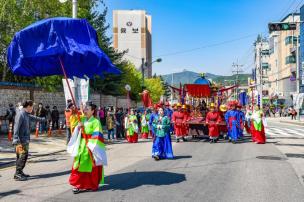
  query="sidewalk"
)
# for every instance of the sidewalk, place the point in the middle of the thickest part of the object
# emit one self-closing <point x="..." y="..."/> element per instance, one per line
<point x="41" y="146"/>
<point x="286" y="120"/>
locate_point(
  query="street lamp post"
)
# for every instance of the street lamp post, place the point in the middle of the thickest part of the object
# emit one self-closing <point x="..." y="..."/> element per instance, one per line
<point x="74" y="11"/>
<point x="143" y="65"/>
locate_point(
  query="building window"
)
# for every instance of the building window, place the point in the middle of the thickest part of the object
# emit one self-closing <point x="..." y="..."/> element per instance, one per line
<point x="288" y="40"/>
<point x="265" y="65"/>
<point x="265" y="52"/>
<point x="290" y="59"/>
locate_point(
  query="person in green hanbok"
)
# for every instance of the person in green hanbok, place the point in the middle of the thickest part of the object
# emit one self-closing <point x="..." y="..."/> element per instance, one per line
<point x="132" y="128"/>
<point x="145" y="125"/>
<point x="87" y="172"/>
<point x="257" y="126"/>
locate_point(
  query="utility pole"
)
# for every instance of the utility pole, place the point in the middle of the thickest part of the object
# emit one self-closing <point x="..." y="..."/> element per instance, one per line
<point x="237" y="70"/>
<point x="142" y="73"/>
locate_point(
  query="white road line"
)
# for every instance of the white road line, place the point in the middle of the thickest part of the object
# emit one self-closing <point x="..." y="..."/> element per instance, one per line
<point x="286" y="132"/>
<point x="279" y="131"/>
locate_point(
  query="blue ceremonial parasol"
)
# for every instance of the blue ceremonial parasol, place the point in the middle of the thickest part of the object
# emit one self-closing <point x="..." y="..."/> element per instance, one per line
<point x="58" y="46"/>
<point x="37" y="50"/>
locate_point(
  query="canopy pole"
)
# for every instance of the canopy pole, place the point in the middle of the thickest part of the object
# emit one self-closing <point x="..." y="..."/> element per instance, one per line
<point x="69" y="87"/>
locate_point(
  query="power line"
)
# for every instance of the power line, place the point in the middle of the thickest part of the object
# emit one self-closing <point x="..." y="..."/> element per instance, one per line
<point x="205" y="46"/>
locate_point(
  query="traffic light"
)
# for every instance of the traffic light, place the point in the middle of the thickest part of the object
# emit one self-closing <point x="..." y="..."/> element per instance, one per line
<point x="282" y="26"/>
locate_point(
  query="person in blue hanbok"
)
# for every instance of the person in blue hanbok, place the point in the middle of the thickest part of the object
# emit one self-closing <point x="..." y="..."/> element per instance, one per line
<point x="152" y="117"/>
<point x="232" y="119"/>
<point x="169" y="112"/>
<point x="242" y="120"/>
<point x="162" y="147"/>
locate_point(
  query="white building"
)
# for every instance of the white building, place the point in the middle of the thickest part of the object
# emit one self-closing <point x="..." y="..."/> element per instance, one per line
<point x="132" y="31"/>
<point x="261" y="66"/>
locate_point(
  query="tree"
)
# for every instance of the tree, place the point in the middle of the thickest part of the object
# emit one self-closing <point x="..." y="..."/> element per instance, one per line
<point x="167" y="90"/>
<point x="17" y="14"/>
<point x="155" y="87"/>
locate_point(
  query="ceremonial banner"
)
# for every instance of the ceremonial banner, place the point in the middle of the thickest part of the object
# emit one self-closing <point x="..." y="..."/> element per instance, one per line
<point x="80" y="90"/>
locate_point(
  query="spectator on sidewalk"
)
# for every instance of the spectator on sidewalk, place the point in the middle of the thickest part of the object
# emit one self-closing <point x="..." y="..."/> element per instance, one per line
<point x="10" y="114"/>
<point x="41" y="112"/>
<point x="48" y="114"/>
<point x="101" y="115"/>
<point x="55" y="117"/>
<point x="119" y="123"/>
<point x="67" y="114"/>
<point x="293" y="114"/>
<point x="280" y="111"/>
<point x="21" y="137"/>
<point x="110" y="125"/>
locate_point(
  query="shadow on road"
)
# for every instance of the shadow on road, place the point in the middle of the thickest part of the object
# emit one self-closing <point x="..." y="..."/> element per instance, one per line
<point x="126" y="181"/>
<point x="289" y="155"/>
<point x="181" y="157"/>
<point x="296" y="145"/>
<point x="49" y="175"/>
<point x="12" y="192"/>
<point x="277" y="158"/>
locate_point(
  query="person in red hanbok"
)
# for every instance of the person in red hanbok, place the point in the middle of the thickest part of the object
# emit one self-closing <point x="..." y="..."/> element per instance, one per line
<point x="178" y="119"/>
<point x="223" y="128"/>
<point x="213" y="118"/>
<point x="257" y="126"/>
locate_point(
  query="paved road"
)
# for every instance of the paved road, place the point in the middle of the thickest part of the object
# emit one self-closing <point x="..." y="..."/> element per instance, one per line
<point x="200" y="172"/>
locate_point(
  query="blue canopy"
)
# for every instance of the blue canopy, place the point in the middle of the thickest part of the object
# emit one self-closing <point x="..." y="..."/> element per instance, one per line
<point x="35" y="50"/>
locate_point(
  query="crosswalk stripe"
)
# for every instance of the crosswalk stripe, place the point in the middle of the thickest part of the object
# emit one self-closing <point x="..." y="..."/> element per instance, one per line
<point x="279" y="131"/>
<point x="284" y="131"/>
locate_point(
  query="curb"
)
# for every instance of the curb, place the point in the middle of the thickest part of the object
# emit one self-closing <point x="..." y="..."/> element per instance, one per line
<point x="12" y="163"/>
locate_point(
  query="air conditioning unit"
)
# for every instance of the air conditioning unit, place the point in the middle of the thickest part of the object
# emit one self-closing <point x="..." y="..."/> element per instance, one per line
<point x="281" y="94"/>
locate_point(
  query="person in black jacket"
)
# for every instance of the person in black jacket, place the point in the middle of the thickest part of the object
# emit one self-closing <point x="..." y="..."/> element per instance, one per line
<point x="55" y="117"/>
<point x="41" y="112"/>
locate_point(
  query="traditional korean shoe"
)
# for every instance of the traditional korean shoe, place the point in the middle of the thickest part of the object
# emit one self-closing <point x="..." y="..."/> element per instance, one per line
<point x="156" y="158"/>
<point x="177" y="140"/>
<point x="76" y="191"/>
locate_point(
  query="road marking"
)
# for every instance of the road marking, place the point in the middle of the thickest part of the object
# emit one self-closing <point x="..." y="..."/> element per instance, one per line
<point x="284" y="131"/>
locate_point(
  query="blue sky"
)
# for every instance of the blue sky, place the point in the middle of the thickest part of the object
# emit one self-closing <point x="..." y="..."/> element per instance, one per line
<point x="219" y="32"/>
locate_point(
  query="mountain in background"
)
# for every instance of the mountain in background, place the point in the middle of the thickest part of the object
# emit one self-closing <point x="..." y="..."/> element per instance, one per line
<point x="185" y="77"/>
<point x="189" y="77"/>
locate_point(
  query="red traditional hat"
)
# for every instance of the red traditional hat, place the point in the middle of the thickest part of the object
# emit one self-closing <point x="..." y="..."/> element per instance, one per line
<point x="155" y="106"/>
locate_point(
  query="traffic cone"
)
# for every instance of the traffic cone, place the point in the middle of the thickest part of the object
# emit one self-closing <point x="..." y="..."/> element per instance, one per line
<point x="37" y="129"/>
<point x="50" y="129"/>
<point x="60" y="128"/>
<point x="10" y="131"/>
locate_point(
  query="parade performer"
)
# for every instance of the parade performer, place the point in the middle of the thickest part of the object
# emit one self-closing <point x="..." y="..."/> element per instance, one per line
<point x="241" y="119"/>
<point x="132" y="128"/>
<point x="87" y="172"/>
<point x="257" y="126"/>
<point x="187" y="118"/>
<point x="223" y="128"/>
<point x="146" y="98"/>
<point x="178" y="119"/>
<point x="162" y="147"/>
<point x="152" y="117"/>
<point x="213" y="118"/>
<point x="248" y="119"/>
<point x="145" y="125"/>
<point x="232" y="119"/>
<point x="169" y="112"/>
